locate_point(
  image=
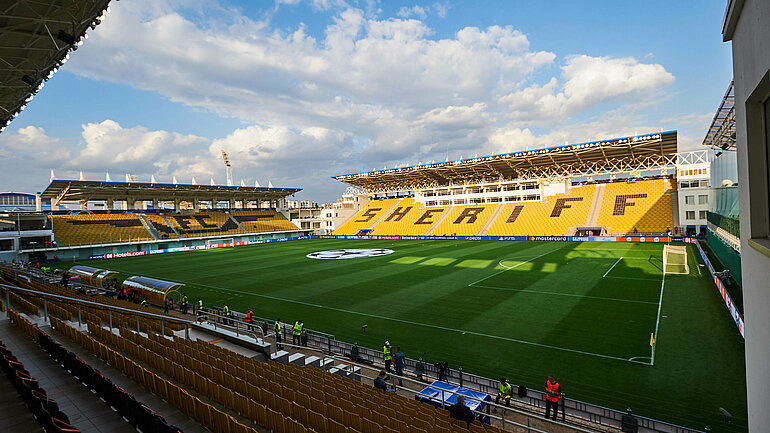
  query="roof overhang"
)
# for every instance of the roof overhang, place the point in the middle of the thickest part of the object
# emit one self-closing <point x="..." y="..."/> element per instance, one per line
<point x="80" y="190"/>
<point x="35" y="40"/>
<point x="642" y="152"/>
<point x="721" y="133"/>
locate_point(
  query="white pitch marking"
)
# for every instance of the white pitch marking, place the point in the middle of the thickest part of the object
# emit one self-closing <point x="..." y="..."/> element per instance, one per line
<point x="632" y="278"/>
<point x="512" y="267"/>
<point x="443" y="328"/>
<point x="613" y="267"/>
<point x="566" y="294"/>
<point x="657" y="321"/>
<point x="427" y="325"/>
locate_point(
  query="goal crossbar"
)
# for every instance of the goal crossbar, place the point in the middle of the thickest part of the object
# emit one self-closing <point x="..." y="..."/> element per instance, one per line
<point x="675" y="259"/>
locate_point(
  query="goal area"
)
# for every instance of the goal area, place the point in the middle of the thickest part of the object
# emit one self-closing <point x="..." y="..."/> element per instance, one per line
<point x="675" y="259"/>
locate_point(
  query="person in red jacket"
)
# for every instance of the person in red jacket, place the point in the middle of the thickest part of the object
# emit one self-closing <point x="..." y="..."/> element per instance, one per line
<point x="250" y="320"/>
<point x="552" y="396"/>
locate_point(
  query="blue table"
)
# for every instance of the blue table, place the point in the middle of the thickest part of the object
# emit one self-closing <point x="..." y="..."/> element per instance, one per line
<point x="435" y="394"/>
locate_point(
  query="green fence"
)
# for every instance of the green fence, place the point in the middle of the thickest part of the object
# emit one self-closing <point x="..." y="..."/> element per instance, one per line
<point x="730" y="259"/>
<point x="732" y="225"/>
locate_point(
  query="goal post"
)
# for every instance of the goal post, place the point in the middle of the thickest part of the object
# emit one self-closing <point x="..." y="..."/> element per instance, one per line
<point x="675" y="259"/>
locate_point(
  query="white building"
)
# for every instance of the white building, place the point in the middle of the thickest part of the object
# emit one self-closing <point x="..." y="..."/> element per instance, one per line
<point x="694" y="176"/>
<point x="747" y="25"/>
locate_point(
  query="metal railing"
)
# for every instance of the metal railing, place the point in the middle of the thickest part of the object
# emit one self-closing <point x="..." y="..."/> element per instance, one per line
<point x="578" y="412"/>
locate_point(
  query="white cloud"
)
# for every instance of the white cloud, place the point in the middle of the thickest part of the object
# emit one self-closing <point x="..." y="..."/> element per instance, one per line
<point x="441" y="9"/>
<point x="414" y="11"/>
<point x="588" y="81"/>
<point x="367" y="91"/>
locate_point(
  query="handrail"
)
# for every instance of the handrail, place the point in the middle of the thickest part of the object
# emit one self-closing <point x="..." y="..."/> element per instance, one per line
<point x="489" y="404"/>
<point x="587" y="412"/>
<point x="95" y="304"/>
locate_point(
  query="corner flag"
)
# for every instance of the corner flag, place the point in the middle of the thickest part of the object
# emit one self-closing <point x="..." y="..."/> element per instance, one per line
<point x="652" y="339"/>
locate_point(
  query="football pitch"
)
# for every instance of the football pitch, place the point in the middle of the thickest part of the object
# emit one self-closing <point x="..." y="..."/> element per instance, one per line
<point x="581" y="311"/>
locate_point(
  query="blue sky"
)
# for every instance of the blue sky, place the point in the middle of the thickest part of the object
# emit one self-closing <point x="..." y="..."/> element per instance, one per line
<point x="297" y="91"/>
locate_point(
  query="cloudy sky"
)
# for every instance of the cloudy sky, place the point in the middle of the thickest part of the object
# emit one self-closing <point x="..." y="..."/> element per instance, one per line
<point x="300" y="90"/>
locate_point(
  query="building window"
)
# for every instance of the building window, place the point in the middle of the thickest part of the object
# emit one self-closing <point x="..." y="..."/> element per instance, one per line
<point x="702" y="214"/>
<point x="689" y="199"/>
<point x="690" y="215"/>
<point x="703" y="199"/>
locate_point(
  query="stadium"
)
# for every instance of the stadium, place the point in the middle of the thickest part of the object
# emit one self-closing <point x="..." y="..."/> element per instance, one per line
<point x="614" y="266"/>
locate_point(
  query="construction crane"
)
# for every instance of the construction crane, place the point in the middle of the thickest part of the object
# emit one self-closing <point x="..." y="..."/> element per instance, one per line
<point x="228" y="169"/>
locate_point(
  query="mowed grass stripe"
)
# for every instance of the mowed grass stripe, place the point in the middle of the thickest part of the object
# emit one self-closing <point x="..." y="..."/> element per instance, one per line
<point x="698" y="347"/>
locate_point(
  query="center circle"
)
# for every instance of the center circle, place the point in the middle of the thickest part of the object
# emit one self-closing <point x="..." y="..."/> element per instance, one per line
<point x="349" y="253"/>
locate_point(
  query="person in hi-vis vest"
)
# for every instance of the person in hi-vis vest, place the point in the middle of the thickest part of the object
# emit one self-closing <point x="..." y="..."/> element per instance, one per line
<point x="278" y="331"/>
<point x="552" y="396"/>
<point x="505" y="390"/>
<point x="387" y="356"/>
<point x="297" y="333"/>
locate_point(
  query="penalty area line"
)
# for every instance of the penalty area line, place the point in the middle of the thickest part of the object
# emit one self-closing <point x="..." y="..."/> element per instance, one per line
<point x="512" y="267"/>
<point x="428" y="325"/>
<point x="442" y="328"/>
<point x="541" y="292"/>
<point x="613" y="267"/>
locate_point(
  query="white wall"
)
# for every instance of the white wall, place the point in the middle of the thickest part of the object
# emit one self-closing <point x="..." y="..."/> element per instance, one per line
<point x="751" y="64"/>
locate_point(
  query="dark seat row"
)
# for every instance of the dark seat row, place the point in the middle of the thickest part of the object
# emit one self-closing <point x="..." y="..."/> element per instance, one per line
<point x="45" y="410"/>
<point x="137" y="414"/>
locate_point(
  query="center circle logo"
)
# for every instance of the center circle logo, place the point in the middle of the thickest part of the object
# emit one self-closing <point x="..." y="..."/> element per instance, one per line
<point x="354" y="253"/>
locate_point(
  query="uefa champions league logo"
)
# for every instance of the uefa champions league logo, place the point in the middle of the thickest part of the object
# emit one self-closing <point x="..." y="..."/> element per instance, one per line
<point x="355" y="253"/>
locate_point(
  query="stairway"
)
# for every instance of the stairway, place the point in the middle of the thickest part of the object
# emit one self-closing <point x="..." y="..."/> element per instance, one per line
<point x="172" y="227"/>
<point x="492" y="219"/>
<point x="232" y="218"/>
<point x="385" y="214"/>
<point x="148" y="225"/>
<point x="596" y="206"/>
<point x="439" y="221"/>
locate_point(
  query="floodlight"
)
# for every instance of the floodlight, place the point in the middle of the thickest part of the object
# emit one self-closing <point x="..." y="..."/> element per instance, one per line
<point x="27" y="79"/>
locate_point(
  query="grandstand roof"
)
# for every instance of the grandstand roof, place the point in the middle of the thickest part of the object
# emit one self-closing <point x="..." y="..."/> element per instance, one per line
<point x="76" y="190"/>
<point x="721" y="133"/>
<point x="36" y="38"/>
<point x="642" y="152"/>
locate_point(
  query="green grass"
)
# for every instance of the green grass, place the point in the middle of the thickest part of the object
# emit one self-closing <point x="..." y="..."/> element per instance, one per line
<point x="581" y="311"/>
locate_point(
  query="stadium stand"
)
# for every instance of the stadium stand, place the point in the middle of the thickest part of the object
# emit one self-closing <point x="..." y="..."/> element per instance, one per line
<point x="465" y="220"/>
<point x="408" y="218"/>
<point x="203" y="224"/>
<point x="275" y="396"/>
<point x="162" y="226"/>
<point x="553" y="218"/>
<point x="131" y="414"/>
<point x="86" y="229"/>
<point x="644" y="206"/>
<point x="89" y="229"/>
<point x="262" y="221"/>
<point x="45" y="409"/>
<point x="367" y="216"/>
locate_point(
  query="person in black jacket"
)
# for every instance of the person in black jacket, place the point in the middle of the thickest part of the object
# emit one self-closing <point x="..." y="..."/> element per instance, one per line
<point x="380" y="381"/>
<point x="460" y="411"/>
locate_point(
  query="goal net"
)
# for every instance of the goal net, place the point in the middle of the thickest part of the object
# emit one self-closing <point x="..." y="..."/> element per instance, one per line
<point x="675" y="259"/>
